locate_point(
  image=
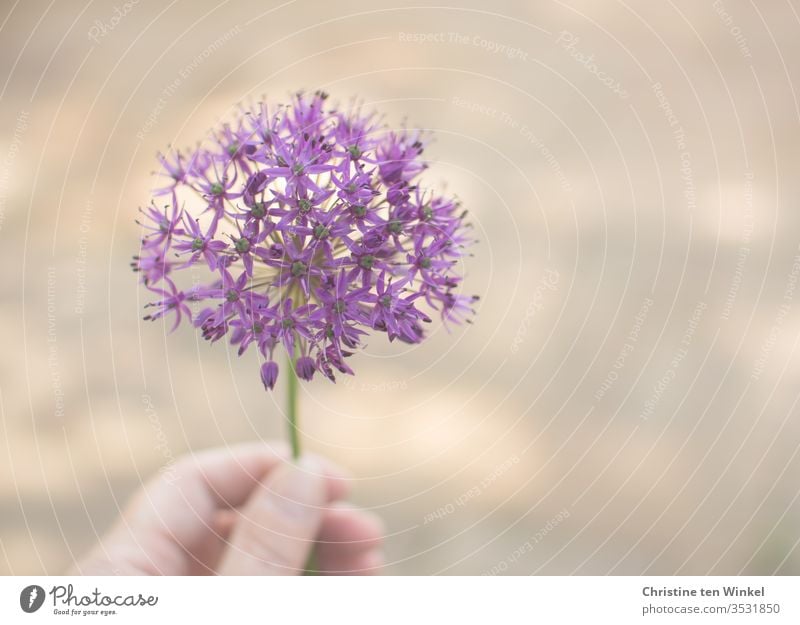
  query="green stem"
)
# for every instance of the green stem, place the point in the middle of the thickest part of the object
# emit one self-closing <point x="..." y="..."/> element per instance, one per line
<point x="291" y="409"/>
<point x="294" y="439"/>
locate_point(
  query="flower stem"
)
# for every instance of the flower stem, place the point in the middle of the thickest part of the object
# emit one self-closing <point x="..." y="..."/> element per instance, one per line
<point x="294" y="440"/>
<point x="291" y="409"/>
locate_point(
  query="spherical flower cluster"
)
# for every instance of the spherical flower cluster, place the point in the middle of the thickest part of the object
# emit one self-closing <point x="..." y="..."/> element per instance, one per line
<point x="313" y="231"/>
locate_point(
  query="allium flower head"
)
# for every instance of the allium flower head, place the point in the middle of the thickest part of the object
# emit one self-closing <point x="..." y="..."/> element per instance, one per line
<point x="313" y="230"/>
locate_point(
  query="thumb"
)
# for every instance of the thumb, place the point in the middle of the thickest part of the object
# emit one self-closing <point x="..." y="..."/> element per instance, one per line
<point x="275" y="532"/>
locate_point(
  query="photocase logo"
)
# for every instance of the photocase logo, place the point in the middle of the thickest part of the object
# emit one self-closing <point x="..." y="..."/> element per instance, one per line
<point x="31" y="598"/>
<point x="95" y="602"/>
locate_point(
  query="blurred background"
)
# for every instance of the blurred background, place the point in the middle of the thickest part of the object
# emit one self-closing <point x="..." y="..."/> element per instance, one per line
<point x="627" y="399"/>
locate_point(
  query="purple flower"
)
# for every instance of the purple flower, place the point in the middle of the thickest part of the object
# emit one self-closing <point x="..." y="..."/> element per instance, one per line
<point x="313" y="229"/>
<point x="304" y="368"/>
<point x="269" y="374"/>
<point x="195" y="241"/>
<point x="161" y="224"/>
<point x="172" y="300"/>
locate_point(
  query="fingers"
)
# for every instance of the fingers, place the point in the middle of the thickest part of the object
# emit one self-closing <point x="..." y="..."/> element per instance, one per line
<point x="229" y="474"/>
<point x="277" y="526"/>
<point x="176" y="524"/>
<point x="202" y="483"/>
<point x="204" y="559"/>
<point x="349" y="542"/>
<point x="185" y="524"/>
<point x="170" y="527"/>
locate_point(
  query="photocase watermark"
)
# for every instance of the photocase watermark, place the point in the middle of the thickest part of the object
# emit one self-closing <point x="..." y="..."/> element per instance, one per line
<point x="734" y="30"/>
<point x="162" y="445"/>
<point x="53" y="365"/>
<point x="462" y="39"/>
<point x="551" y="160"/>
<point x="183" y="74"/>
<point x="679" y="136"/>
<point x="569" y="42"/>
<point x="477" y="107"/>
<point x="627" y="349"/>
<point x="743" y="252"/>
<point x="469" y="495"/>
<point x="548" y="282"/>
<point x="780" y="317"/>
<point x="529" y="545"/>
<point x="10" y="158"/>
<point x="526" y="133"/>
<point x="101" y="28"/>
<point x="81" y="258"/>
<point x="680" y="354"/>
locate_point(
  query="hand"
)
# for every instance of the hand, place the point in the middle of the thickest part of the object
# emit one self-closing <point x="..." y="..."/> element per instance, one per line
<point x="243" y="510"/>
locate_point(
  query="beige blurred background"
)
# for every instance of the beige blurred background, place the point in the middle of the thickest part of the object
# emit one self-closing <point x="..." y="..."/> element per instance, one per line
<point x="626" y="401"/>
